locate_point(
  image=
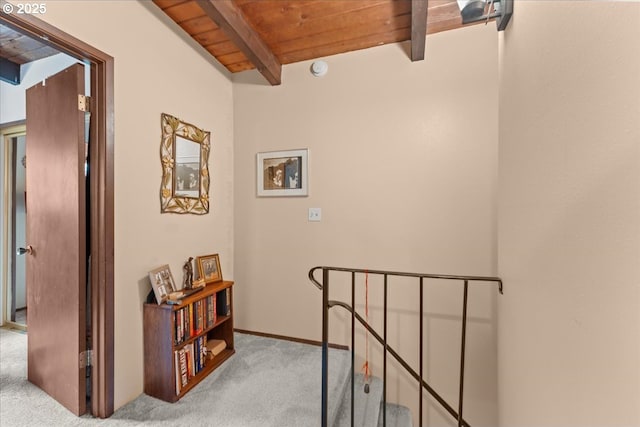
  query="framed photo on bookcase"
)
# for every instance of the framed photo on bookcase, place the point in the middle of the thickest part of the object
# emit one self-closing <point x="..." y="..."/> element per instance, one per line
<point x="162" y="283"/>
<point x="209" y="268"/>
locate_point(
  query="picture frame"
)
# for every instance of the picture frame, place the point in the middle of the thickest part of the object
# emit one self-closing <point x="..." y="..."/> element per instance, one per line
<point x="184" y="155"/>
<point x="162" y="283"/>
<point x="283" y="173"/>
<point x="209" y="268"/>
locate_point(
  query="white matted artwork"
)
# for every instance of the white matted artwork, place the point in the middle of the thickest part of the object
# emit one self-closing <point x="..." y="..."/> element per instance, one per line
<point x="283" y="173"/>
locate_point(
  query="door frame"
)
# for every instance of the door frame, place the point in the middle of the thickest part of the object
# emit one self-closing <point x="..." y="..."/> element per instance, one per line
<point x="101" y="205"/>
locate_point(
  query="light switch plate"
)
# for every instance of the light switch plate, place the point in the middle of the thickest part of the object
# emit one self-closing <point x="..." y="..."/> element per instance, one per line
<point x="315" y="214"/>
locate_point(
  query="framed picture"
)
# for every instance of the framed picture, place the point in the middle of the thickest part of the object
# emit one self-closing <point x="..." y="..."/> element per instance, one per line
<point x="162" y="283"/>
<point x="209" y="268"/>
<point x="283" y="173"/>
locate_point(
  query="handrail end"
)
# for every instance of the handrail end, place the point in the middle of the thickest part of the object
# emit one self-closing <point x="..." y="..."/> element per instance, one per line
<point x="313" y="279"/>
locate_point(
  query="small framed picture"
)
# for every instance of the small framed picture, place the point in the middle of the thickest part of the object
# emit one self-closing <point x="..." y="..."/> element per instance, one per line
<point x="162" y="283"/>
<point x="209" y="268"/>
<point x="283" y="173"/>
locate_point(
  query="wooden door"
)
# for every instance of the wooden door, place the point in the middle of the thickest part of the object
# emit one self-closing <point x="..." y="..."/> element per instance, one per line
<point x="56" y="269"/>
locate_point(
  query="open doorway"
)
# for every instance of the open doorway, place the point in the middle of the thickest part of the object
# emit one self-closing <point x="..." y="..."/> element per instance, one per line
<point x="18" y="289"/>
<point x="100" y="199"/>
<point x="47" y="206"/>
<point x="14" y="227"/>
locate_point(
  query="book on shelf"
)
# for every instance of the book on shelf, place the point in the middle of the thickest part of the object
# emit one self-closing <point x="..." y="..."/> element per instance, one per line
<point x="184" y="375"/>
<point x="180" y="320"/>
<point x="191" y="320"/>
<point x="203" y="351"/>
<point x="215" y="347"/>
<point x="224" y="302"/>
<point x="176" y="356"/>
<point x="189" y="356"/>
<point x="176" y="327"/>
<point x="196" y="356"/>
<point x="211" y="310"/>
<point x="181" y="325"/>
<point x="193" y="312"/>
<point x="200" y="310"/>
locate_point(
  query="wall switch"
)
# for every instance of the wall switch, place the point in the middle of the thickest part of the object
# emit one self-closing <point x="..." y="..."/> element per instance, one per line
<point x="315" y="214"/>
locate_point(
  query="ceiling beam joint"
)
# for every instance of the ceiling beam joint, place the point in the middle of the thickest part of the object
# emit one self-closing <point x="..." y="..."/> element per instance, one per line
<point x="229" y="17"/>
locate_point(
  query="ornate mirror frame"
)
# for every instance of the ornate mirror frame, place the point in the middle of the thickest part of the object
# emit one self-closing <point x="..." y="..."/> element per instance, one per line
<point x="185" y="170"/>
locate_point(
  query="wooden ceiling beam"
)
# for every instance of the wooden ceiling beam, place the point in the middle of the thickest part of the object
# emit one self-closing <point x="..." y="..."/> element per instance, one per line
<point x="229" y="17"/>
<point x="418" y="28"/>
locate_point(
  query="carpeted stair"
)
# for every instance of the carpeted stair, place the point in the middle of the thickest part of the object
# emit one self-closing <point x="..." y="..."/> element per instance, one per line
<point x="368" y="407"/>
<point x="397" y="416"/>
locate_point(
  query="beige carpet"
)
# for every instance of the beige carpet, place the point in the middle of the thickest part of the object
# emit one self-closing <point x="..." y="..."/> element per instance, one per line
<point x="268" y="382"/>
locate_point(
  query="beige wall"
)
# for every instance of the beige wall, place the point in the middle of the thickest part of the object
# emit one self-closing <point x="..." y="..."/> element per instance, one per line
<point x="155" y="71"/>
<point x="569" y="215"/>
<point x="403" y="160"/>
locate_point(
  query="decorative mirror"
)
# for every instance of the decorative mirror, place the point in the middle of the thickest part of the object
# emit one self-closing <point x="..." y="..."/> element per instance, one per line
<point x="184" y="153"/>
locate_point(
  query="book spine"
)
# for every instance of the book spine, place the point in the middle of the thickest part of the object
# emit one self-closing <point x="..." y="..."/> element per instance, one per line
<point x="194" y="319"/>
<point x="182" y="325"/>
<point x="200" y="355"/>
<point x="204" y="350"/>
<point x="184" y="375"/>
<point x="175" y="328"/>
<point x="187" y="355"/>
<point x="181" y="328"/>
<point x="192" y="361"/>
<point x="178" y="326"/>
<point x="176" y="357"/>
<point x="200" y="327"/>
<point x="176" y="315"/>
<point x="221" y="302"/>
<point x="196" y="356"/>
<point x="200" y="316"/>
<point x="209" y="314"/>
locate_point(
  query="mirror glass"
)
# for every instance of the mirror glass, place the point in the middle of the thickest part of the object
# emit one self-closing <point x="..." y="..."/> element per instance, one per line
<point x="187" y="166"/>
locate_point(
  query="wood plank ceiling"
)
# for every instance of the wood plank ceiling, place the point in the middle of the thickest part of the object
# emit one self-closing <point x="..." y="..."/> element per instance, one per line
<point x="265" y="34"/>
<point x="16" y="49"/>
<point x="21" y="49"/>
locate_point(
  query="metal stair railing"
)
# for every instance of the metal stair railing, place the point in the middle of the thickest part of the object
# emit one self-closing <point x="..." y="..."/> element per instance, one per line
<point x="418" y="376"/>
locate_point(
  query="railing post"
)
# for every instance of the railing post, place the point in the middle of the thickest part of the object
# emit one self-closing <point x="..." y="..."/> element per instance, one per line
<point x="384" y="358"/>
<point x="325" y="346"/>
<point x="462" y="348"/>
<point x="353" y="345"/>
<point x="421" y="345"/>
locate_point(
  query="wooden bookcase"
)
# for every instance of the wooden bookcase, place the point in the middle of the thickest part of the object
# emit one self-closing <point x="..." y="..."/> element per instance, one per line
<point x="160" y="342"/>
